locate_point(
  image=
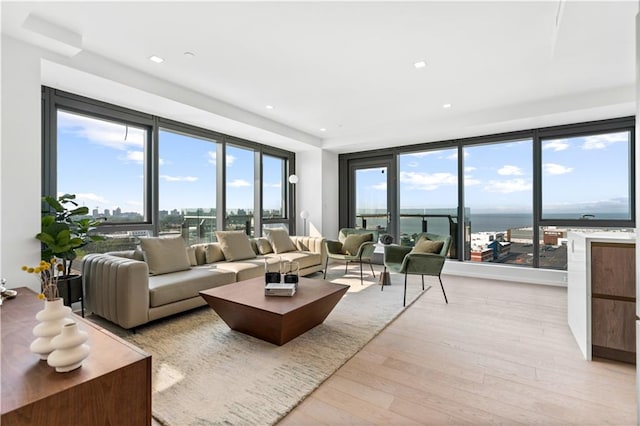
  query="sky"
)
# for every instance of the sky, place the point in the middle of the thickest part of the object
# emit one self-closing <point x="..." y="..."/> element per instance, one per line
<point x="103" y="164"/>
<point x="579" y="175"/>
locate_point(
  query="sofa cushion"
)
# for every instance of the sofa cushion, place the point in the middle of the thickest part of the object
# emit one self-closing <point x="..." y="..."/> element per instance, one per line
<point x="279" y="240"/>
<point x="235" y="245"/>
<point x="353" y="242"/>
<point x="304" y="258"/>
<point x="264" y="247"/>
<point x="164" y="254"/>
<point x="424" y="245"/>
<point x="213" y="253"/>
<point x="191" y="254"/>
<point x="249" y="268"/>
<point x="169" y="288"/>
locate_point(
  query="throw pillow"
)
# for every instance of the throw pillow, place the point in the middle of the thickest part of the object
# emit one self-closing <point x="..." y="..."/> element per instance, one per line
<point x="213" y="253"/>
<point x="191" y="254"/>
<point x="353" y="242"/>
<point x="263" y="246"/>
<point x="164" y="254"/>
<point x="424" y="245"/>
<point x="279" y="239"/>
<point x="235" y="245"/>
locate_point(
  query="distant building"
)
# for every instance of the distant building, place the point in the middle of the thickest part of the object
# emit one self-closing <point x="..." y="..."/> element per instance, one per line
<point x="95" y="213"/>
<point x="107" y="212"/>
<point x="117" y="211"/>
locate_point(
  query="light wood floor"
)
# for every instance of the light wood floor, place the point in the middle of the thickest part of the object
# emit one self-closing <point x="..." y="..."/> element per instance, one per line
<point x="499" y="352"/>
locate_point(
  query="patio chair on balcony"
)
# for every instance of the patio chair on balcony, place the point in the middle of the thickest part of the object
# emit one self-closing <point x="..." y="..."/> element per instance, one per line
<point x="353" y="245"/>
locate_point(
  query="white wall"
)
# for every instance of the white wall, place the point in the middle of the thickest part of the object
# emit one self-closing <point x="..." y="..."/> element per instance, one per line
<point x="20" y="162"/>
<point x="317" y="192"/>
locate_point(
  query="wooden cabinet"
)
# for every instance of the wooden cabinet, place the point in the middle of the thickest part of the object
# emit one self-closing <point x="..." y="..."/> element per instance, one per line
<point x="613" y="300"/>
<point x="113" y="386"/>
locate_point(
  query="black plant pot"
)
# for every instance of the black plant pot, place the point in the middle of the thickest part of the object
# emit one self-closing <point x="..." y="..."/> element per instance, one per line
<point x="70" y="288"/>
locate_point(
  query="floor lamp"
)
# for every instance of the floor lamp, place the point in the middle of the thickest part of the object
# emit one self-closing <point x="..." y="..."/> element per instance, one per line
<point x="304" y="215"/>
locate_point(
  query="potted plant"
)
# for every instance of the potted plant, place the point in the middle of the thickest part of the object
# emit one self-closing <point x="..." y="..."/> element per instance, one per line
<point x="65" y="229"/>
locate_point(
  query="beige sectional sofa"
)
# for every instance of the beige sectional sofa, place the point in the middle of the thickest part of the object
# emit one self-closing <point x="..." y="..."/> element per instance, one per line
<point x="131" y="288"/>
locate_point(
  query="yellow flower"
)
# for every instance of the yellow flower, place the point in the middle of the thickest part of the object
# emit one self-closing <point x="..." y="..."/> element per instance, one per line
<point x="42" y="263"/>
<point x="25" y="267"/>
<point x="41" y="296"/>
<point x="52" y="261"/>
<point x="30" y="270"/>
<point x="37" y="269"/>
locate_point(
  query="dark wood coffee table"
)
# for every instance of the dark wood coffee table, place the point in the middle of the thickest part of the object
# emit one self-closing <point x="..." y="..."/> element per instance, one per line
<point x="245" y="308"/>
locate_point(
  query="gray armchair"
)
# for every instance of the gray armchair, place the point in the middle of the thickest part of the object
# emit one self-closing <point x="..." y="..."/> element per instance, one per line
<point x="407" y="261"/>
<point x="358" y="248"/>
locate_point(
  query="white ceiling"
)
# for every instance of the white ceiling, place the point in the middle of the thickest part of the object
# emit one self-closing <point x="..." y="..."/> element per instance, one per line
<point x="347" y="67"/>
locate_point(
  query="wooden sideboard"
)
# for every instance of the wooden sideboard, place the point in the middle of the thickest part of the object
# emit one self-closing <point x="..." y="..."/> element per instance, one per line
<point x="113" y="386"/>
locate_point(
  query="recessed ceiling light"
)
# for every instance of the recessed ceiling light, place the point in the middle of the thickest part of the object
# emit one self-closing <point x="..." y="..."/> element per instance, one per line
<point x="420" y="64"/>
<point x="323" y="129"/>
<point x="156" y="59"/>
<point x="446" y="106"/>
<point x="189" y="54"/>
<point x="268" y="106"/>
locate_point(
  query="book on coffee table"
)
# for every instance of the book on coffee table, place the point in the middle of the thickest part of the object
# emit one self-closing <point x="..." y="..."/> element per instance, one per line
<point x="279" y="289"/>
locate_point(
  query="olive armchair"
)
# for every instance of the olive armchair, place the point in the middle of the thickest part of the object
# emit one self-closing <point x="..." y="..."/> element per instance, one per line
<point x="353" y="245"/>
<point x="418" y="260"/>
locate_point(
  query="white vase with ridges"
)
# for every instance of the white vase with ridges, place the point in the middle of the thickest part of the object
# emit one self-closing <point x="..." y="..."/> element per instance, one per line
<point x="52" y="318"/>
<point x="69" y="349"/>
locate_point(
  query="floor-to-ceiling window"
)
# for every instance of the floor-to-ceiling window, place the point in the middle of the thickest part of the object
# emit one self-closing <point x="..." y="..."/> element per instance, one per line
<point x="240" y="189"/>
<point x="428" y="192"/>
<point x="148" y="175"/>
<point x="498" y="197"/>
<point x="512" y="198"/>
<point x="187" y="186"/>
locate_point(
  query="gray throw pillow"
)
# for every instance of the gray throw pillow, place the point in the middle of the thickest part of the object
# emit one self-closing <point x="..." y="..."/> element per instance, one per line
<point x="164" y="254"/>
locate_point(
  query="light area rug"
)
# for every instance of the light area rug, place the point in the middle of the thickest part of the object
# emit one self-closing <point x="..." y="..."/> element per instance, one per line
<point x="206" y="374"/>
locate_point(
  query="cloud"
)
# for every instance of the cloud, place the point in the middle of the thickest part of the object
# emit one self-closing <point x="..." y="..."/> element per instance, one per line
<point x="133" y="156"/>
<point x="556" y="145"/>
<point x="178" y="178"/>
<point x="471" y="181"/>
<point x="422" y="154"/>
<point x="556" y="169"/>
<point x="212" y="158"/>
<point x="237" y="183"/>
<point x="603" y="141"/>
<point x="427" y="181"/>
<point x="273" y="185"/>
<point x="508" y="186"/>
<point x="413" y="164"/>
<point x="86" y="198"/>
<point x="382" y="186"/>
<point x="470" y="169"/>
<point x="508" y="170"/>
<point x="101" y="132"/>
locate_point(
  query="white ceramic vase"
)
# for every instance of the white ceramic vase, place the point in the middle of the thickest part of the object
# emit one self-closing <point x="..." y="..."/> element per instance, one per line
<point x="69" y="349"/>
<point x="52" y="318"/>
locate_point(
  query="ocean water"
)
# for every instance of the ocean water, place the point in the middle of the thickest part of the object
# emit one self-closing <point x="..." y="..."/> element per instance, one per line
<point x="479" y="222"/>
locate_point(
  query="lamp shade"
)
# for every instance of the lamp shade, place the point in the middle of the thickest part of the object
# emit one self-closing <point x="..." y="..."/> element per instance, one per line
<point x="304" y="214"/>
<point x="293" y="179"/>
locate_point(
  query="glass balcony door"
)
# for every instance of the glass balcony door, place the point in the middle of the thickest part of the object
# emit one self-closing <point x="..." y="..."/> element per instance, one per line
<point x="373" y="192"/>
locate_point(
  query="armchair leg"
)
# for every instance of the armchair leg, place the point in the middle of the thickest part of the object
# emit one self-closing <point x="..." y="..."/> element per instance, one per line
<point x="422" y="282"/>
<point x="445" y="294"/>
<point x="361" y="280"/>
<point x="346" y="264"/>
<point x="326" y="263"/>
<point x="404" y="300"/>
<point x="371" y="266"/>
<point x="382" y="279"/>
